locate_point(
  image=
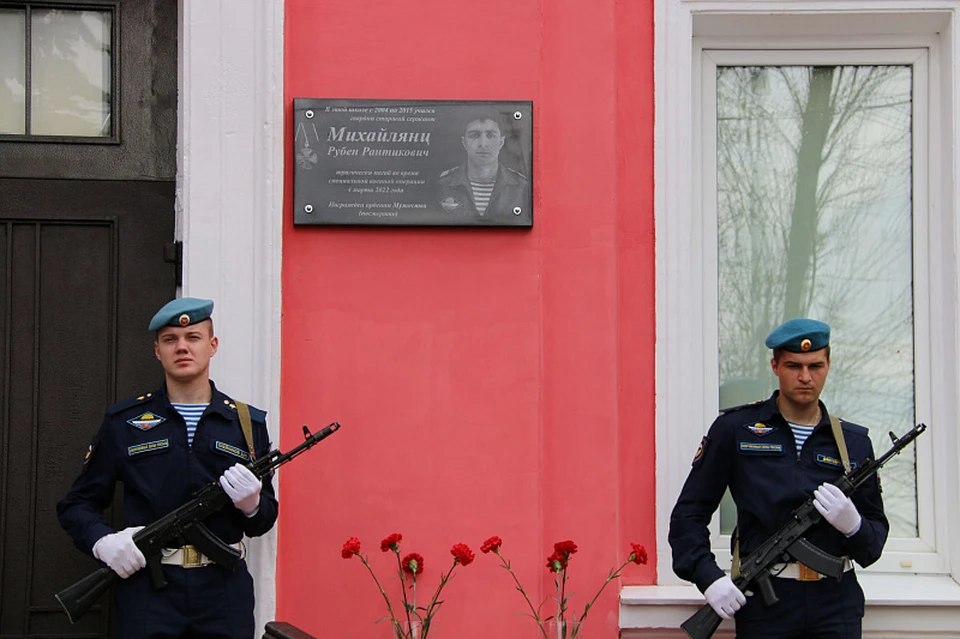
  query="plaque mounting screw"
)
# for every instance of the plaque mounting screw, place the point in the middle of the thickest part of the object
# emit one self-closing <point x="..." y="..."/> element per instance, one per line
<point x="309" y="113"/>
<point x="517" y="115"/>
<point x="308" y="208"/>
<point x="517" y="210"/>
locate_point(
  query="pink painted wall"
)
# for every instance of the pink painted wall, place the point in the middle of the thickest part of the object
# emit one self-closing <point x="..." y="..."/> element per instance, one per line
<point x="489" y="382"/>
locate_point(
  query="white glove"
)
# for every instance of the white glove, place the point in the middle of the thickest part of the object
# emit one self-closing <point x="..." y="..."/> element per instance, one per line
<point x="118" y="551"/>
<point x="243" y="487"/>
<point x="837" y="509"/>
<point x="724" y="597"/>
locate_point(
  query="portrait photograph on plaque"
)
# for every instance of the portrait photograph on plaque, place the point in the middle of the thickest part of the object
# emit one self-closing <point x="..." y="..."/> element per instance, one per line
<point x="413" y="162"/>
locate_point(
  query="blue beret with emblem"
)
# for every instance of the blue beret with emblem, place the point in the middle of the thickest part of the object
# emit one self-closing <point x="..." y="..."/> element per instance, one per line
<point x="183" y="311"/>
<point x="799" y="335"/>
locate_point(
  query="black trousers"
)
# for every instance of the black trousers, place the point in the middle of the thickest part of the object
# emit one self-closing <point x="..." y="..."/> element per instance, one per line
<point x="198" y="603"/>
<point x="824" y="609"/>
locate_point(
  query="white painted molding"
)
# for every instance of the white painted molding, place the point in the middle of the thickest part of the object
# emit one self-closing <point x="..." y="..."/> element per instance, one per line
<point x="230" y="206"/>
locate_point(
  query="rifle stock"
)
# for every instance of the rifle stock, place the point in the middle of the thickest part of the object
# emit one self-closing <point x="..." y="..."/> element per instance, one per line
<point x="185" y="521"/>
<point x="755" y="568"/>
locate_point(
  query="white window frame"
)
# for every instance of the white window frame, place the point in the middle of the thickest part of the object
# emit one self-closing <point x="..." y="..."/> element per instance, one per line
<point x="686" y="326"/>
<point x="920" y="552"/>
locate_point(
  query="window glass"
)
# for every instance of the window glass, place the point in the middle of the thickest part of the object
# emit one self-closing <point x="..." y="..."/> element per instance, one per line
<point x="13" y="114"/>
<point x="70" y="72"/>
<point x="815" y="219"/>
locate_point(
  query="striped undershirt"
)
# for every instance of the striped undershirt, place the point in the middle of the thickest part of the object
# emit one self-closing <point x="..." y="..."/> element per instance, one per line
<point x="800" y="433"/>
<point x="191" y="414"/>
<point x="481" y="194"/>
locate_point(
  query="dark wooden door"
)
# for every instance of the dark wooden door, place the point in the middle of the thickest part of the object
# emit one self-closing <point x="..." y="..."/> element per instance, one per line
<point x="82" y="271"/>
<point x="83" y="228"/>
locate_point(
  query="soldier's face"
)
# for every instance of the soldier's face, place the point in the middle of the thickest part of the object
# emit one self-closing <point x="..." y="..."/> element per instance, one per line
<point x="185" y="352"/>
<point x="802" y="375"/>
<point x="483" y="142"/>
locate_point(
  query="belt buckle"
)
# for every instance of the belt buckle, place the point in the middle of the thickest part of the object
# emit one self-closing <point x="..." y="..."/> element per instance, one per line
<point x="191" y="557"/>
<point x="808" y="574"/>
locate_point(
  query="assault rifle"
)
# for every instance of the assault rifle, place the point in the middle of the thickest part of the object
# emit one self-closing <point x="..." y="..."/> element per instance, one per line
<point x="186" y="523"/>
<point x="788" y="543"/>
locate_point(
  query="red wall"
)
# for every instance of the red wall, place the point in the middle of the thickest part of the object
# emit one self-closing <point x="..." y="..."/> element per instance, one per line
<point x="488" y="381"/>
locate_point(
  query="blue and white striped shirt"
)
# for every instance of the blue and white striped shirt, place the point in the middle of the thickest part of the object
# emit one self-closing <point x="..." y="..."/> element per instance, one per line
<point x="191" y="414"/>
<point x="800" y="433"/>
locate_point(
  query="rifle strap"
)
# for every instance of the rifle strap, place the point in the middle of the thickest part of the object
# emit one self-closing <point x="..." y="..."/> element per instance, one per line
<point x="243" y="411"/>
<point x="841" y="443"/>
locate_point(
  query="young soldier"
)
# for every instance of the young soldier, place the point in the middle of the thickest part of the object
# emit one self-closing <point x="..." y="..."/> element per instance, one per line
<point x="162" y="446"/>
<point x="774" y="455"/>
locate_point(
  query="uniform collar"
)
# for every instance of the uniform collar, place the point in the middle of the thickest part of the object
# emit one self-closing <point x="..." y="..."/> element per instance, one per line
<point x="771" y="409"/>
<point x="219" y="402"/>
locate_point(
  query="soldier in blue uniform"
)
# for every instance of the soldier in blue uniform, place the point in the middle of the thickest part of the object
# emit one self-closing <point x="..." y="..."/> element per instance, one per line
<point x="162" y="446"/>
<point x="774" y="455"/>
<point x="481" y="189"/>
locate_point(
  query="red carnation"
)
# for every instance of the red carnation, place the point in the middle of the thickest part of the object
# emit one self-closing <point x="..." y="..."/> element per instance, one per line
<point x="412" y="564"/>
<point x="638" y="554"/>
<point x="391" y="542"/>
<point x="462" y="553"/>
<point x="351" y="547"/>
<point x="556" y="562"/>
<point x="493" y="544"/>
<point x="565" y="548"/>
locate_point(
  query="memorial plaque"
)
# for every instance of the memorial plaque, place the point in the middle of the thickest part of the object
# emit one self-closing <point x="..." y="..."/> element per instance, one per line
<point x="412" y="162"/>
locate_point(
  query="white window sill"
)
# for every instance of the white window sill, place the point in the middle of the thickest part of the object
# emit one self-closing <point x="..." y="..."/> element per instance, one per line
<point x="920" y="604"/>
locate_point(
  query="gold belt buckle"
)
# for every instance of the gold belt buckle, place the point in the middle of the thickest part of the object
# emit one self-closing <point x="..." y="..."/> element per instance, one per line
<point x="191" y="557"/>
<point x="808" y="574"/>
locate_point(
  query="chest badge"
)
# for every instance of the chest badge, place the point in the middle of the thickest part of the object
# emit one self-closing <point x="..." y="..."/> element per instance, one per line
<point x="449" y="204"/>
<point x="146" y="421"/>
<point x="760" y="429"/>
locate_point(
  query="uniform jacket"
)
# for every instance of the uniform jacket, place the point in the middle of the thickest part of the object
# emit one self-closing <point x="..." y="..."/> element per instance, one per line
<point x="511" y="189"/>
<point x="142" y="443"/>
<point x="751" y="449"/>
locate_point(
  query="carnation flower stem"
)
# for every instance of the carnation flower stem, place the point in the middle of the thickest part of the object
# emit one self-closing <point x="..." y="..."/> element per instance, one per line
<point x="536" y="616"/>
<point x="403" y="589"/>
<point x="383" y="593"/>
<point x="613" y="575"/>
<point x="433" y="602"/>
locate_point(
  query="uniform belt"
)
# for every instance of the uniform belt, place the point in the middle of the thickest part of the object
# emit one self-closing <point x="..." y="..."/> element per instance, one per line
<point x="796" y="570"/>
<point x="189" y="557"/>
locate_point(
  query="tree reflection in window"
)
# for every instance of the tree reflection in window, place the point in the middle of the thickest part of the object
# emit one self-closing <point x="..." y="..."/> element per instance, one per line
<point x="814" y="212"/>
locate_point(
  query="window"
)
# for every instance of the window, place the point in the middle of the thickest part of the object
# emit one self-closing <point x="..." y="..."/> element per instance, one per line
<point x="56" y="67"/>
<point x="809" y="184"/>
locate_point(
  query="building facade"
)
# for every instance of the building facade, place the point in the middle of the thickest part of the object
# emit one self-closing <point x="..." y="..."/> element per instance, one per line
<point x="552" y="383"/>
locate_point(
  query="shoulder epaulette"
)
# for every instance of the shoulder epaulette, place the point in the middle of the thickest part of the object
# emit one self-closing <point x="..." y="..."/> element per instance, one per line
<point x="128" y="402"/>
<point x="449" y="171"/>
<point x="256" y="414"/>
<point x="724" y="411"/>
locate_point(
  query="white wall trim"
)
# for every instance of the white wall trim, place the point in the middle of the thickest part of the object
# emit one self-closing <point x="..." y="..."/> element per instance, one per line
<point x="230" y="206"/>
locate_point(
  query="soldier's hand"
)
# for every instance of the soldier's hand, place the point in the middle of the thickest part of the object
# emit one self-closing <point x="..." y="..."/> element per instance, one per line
<point x="118" y="551"/>
<point x="724" y="597"/>
<point x="243" y="487"/>
<point x="837" y="509"/>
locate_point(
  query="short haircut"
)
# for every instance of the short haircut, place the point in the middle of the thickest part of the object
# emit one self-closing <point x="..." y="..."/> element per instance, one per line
<point x="481" y="115"/>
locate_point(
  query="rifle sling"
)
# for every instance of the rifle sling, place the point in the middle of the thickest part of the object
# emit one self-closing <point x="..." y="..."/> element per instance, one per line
<point x="844" y="457"/>
<point x="841" y="443"/>
<point x="243" y="411"/>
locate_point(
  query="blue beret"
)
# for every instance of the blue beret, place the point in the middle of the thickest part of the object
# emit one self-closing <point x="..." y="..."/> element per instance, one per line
<point x="182" y="312"/>
<point x="800" y="335"/>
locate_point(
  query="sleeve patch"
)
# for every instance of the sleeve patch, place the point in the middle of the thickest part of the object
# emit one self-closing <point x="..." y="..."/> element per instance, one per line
<point x="704" y="443"/>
